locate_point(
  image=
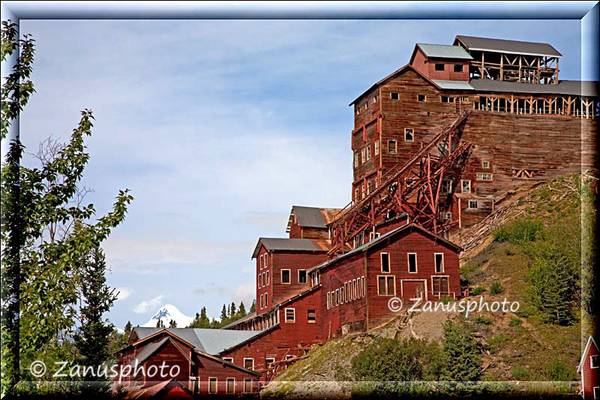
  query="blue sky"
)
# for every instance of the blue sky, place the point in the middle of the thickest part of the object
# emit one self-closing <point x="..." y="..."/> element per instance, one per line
<point x="217" y="128"/>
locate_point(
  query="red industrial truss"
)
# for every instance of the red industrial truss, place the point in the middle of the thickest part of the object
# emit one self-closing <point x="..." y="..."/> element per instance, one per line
<point x="414" y="188"/>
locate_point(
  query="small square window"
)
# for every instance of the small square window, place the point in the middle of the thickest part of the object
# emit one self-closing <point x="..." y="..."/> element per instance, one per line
<point x="421" y="98"/>
<point x="249" y="363"/>
<point x="392" y="147"/>
<point x="409" y="135"/>
<point x="285" y="276"/>
<point x="290" y="315"/>
<point x="595" y="362"/>
<point x="485" y="164"/>
<point x="458" y="68"/>
<point x="301" y="276"/>
<point x="269" y="361"/>
<point x="447" y="99"/>
<point x="439" y="67"/>
<point x="395" y="96"/>
<point x="473" y="204"/>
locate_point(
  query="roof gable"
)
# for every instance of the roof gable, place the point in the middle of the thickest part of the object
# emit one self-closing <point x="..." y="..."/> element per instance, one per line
<point x="288" y="244"/>
<point x="312" y="217"/>
<point x="446" y="51"/>
<point x="591" y="343"/>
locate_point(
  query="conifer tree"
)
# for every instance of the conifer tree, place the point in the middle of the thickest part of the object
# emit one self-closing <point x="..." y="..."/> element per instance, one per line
<point x="461" y="352"/>
<point x="253" y="306"/>
<point x="242" y="310"/>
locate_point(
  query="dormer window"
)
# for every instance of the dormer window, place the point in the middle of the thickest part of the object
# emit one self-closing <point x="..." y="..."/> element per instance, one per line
<point x="439" y="67"/>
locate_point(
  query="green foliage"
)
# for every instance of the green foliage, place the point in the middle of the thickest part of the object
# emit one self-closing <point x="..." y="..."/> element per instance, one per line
<point x="481" y="320"/>
<point x="388" y="360"/>
<point x="520" y="373"/>
<point x="496" y="288"/>
<point x="515" y="322"/>
<point x="461" y="352"/>
<point x="477" y="291"/>
<point x="557" y="370"/>
<point x="518" y="231"/>
<point x="553" y="287"/>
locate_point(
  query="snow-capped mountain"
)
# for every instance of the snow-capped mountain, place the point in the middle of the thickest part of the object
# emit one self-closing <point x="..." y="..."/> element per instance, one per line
<point x="167" y="313"/>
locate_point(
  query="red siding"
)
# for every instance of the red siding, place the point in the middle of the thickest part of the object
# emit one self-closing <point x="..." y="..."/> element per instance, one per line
<point x="426" y="66"/>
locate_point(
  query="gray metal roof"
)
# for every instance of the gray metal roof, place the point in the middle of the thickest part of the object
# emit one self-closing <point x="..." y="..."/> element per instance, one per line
<point x="285" y="244"/>
<point x="507" y="46"/>
<point x="210" y="341"/>
<point x="444" y="51"/>
<point x="310" y="217"/>
<point x="452" y="85"/>
<point x="573" y="88"/>
<point x="148" y="350"/>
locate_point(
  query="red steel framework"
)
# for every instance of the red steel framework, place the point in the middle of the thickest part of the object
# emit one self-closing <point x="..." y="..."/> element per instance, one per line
<point x="414" y="188"/>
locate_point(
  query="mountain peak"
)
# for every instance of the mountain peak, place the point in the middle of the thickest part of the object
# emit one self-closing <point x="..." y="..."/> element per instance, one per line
<point x="166" y="313"/>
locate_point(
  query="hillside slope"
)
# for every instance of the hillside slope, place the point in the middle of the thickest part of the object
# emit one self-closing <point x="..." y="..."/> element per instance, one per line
<point x="516" y="346"/>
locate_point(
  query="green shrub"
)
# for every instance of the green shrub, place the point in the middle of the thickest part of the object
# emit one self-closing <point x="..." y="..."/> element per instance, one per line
<point x="388" y="360"/>
<point x="496" y="288"/>
<point x="497" y="342"/>
<point x="520" y="373"/>
<point x="518" y="231"/>
<point x="559" y="371"/>
<point x="461" y="352"/>
<point x="480" y="319"/>
<point x="515" y="322"/>
<point x="477" y="291"/>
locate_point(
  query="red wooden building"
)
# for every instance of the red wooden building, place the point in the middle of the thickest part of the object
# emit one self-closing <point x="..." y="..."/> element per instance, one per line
<point x="589" y="369"/>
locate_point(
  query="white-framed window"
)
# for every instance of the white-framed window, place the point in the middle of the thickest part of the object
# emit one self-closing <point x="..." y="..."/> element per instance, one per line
<point x="311" y="316"/>
<point x="328" y="300"/>
<point x="385" y="262"/>
<point x="473" y="204"/>
<point x="386" y="285"/>
<point x="596" y="392"/>
<point x="368" y="152"/>
<point x="447" y="99"/>
<point x="484" y="176"/>
<point x="421" y="98"/>
<point x="412" y="263"/>
<point x="290" y="315"/>
<point x="356" y="159"/>
<point x="286" y="276"/>
<point x="438" y="259"/>
<point x="302" y="276"/>
<point x="247" y="385"/>
<point x="336" y="297"/>
<point x="342" y="295"/>
<point x="485" y="164"/>
<point x="267" y="277"/>
<point x="363" y="155"/>
<point x="269" y="361"/>
<point x="213" y="384"/>
<point x="394" y="96"/>
<point x="465" y="185"/>
<point x="447" y="215"/>
<point x="261" y="260"/>
<point x="230" y="385"/>
<point x="595" y="362"/>
<point x="376" y="147"/>
<point x="409" y="135"/>
<point x="392" y="146"/>
<point x="266" y="299"/>
<point x="249" y="363"/>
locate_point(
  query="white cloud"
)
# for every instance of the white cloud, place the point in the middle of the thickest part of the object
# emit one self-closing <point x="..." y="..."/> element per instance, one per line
<point x="148" y="305"/>
<point x="246" y="293"/>
<point x="123" y="293"/>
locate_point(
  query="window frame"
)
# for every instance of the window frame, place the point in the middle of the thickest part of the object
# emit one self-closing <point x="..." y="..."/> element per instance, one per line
<point x="392" y="96"/>
<point x="440" y="277"/>
<point x="227" y="380"/>
<point x="246" y="382"/>
<point x="386" y="279"/>
<point x="462" y="186"/>
<point x="308" y="312"/>
<point x="435" y="265"/>
<point x="216" y="381"/>
<point x="389" y="266"/>
<point x="376" y="147"/>
<point x="592" y="358"/>
<point x="305" y="276"/>
<point x="423" y="97"/>
<point x="416" y="271"/>
<point x="469" y="207"/>
<point x="267" y="362"/>
<point x="462" y="68"/>
<point x="228" y="359"/>
<point x="437" y="65"/>
<point x="285" y="315"/>
<point x="395" y="142"/>
<point x="246" y="359"/>
<point x="289" y="282"/>
<point x="485" y="164"/>
<point x="412" y="133"/>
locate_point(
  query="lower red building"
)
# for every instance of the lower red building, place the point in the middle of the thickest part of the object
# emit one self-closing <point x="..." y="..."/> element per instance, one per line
<point x="589" y="368"/>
